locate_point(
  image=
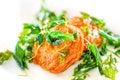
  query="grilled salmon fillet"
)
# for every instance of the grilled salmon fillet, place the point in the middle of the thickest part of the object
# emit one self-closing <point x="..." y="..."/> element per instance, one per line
<point x="48" y="56"/>
<point x="89" y="29"/>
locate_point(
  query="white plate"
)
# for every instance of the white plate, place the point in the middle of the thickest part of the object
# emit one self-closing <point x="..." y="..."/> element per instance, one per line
<point x="13" y="16"/>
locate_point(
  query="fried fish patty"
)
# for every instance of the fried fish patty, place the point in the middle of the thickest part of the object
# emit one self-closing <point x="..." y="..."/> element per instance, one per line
<point x="48" y="56"/>
<point x="89" y="29"/>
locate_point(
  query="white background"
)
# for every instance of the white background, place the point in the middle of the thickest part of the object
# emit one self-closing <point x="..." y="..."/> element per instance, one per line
<point x="14" y="12"/>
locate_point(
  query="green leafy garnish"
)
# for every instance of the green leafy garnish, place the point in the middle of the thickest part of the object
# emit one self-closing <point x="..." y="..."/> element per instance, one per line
<point x="57" y="37"/>
<point x="109" y="69"/>
<point x="85" y="15"/>
<point x="45" y="16"/>
<point x="56" y="22"/>
<point x="62" y="16"/>
<point x="5" y="56"/>
<point x="113" y="40"/>
<point x="20" y="56"/>
<point x="93" y="48"/>
<point x="39" y="38"/>
<point x="95" y="20"/>
<point x="92" y="59"/>
<point x="62" y="55"/>
<point x="86" y="29"/>
<point x="117" y="53"/>
<point x="103" y="48"/>
<point x="23" y="51"/>
<point x="86" y="64"/>
<point x="34" y="28"/>
<point x="49" y="18"/>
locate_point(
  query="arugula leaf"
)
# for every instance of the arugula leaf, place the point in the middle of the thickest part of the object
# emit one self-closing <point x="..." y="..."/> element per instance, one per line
<point x="20" y="56"/>
<point x="109" y="69"/>
<point x="110" y="72"/>
<point x="5" y="56"/>
<point x="75" y="34"/>
<point x="107" y="36"/>
<point x="81" y="70"/>
<point x="28" y="52"/>
<point x="39" y="38"/>
<point x="86" y="64"/>
<point x="29" y="29"/>
<point x="95" y="20"/>
<point x="62" y="55"/>
<point x="53" y="41"/>
<point x="56" y="22"/>
<point x="23" y="52"/>
<point x="108" y="31"/>
<point x="85" y="15"/>
<point x="25" y="32"/>
<point x="57" y="37"/>
<point x="117" y="53"/>
<point x="112" y="39"/>
<point x="65" y="36"/>
<point x="28" y="39"/>
<point x="51" y="19"/>
<point x="93" y="48"/>
<point x="34" y="28"/>
<point x="103" y="48"/>
<point x="45" y="15"/>
<point x="92" y="59"/>
<point x="62" y="16"/>
<point x="86" y="29"/>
